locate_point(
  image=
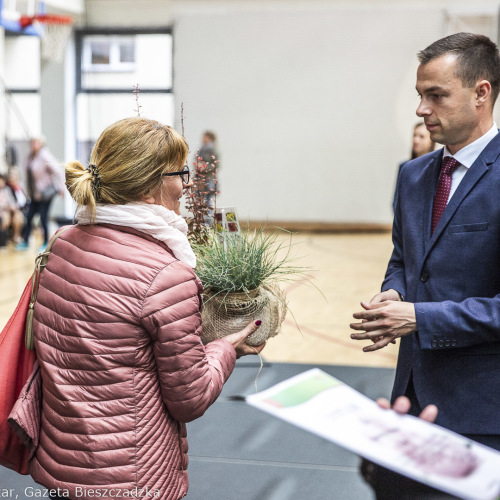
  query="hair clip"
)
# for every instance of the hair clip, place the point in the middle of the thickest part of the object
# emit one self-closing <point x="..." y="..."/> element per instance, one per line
<point x="96" y="180"/>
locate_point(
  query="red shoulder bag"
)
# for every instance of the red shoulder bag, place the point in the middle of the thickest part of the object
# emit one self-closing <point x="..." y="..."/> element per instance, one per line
<point x="17" y="360"/>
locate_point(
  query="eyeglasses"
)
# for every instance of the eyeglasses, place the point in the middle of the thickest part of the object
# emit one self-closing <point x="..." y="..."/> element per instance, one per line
<point x="184" y="174"/>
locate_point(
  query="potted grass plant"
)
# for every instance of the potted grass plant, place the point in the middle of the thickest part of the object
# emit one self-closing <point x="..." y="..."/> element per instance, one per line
<point x="241" y="271"/>
<point x="241" y="276"/>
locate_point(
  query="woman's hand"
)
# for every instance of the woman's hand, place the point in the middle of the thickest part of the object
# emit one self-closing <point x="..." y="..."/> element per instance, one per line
<point x="238" y="340"/>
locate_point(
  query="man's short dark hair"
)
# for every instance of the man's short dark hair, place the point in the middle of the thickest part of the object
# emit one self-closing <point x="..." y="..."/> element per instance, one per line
<point x="477" y="58"/>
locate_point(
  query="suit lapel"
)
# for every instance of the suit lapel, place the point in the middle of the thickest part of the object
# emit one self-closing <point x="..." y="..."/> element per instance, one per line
<point x="474" y="173"/>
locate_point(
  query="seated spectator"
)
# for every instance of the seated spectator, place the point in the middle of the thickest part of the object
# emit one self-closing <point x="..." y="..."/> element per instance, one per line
<point x="21" y="199"/>
<point x="7" y="209"/>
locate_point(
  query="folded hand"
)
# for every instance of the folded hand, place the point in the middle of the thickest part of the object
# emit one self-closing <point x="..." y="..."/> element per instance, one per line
<point x="383" y="322"/>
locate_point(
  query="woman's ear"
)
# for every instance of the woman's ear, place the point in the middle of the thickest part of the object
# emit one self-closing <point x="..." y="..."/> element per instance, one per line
<point x="149" y="198"/>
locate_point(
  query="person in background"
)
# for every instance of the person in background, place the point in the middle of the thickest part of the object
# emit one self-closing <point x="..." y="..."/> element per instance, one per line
<point x="422" y="141"/>
<point x="7" y="209"/>
<point x="421" y="145"/>
<point x="14" y="183"/>
<point x="44" y="180"/>
<point x="117" y="325"/>
<point x="441" y="293"/>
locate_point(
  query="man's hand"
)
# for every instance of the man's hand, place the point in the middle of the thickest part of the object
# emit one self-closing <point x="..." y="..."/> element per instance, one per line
<point x="384" y="321"/>
<point x="402" y="406"/>
<point x="384" y="296"/>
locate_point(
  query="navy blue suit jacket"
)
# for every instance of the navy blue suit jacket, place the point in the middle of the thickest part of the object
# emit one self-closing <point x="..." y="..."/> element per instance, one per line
<point x="453" y="277"/>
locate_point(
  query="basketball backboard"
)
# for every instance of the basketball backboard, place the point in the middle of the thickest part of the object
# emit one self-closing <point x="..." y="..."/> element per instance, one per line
<point x="11" y="11"/>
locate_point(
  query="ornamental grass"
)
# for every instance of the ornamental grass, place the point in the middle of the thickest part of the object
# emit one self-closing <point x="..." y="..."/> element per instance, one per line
<point x="241" y="263"/>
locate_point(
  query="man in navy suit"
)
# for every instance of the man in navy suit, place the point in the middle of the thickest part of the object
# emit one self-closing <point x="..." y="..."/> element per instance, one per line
<point x="441" y="293"/>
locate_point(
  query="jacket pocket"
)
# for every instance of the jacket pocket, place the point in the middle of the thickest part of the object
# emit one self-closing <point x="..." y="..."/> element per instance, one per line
<point x="468" y="228"/>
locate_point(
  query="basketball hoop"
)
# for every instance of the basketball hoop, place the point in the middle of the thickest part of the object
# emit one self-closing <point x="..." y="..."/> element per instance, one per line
<point x="54" y="33"/>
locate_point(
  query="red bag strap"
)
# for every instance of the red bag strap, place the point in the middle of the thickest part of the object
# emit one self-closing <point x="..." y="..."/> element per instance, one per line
<point x="40" y="263"/>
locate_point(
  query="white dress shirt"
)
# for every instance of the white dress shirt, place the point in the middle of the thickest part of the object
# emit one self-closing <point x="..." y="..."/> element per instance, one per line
<point x="467" y="156"/>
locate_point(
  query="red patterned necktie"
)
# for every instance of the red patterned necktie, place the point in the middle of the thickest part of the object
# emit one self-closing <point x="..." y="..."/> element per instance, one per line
<point x="443" y="189"/>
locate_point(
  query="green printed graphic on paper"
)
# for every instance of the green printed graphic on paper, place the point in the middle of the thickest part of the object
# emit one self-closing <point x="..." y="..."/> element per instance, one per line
<point x="303" y="391"/>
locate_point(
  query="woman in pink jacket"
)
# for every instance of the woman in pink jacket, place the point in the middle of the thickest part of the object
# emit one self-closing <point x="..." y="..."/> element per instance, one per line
<point x="117" y="326"/>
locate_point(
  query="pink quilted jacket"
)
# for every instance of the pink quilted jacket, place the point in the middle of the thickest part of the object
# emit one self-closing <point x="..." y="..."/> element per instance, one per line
<point x="117" y="334"/>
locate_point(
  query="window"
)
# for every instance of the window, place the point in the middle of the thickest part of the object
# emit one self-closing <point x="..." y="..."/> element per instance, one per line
<point x="115" y="61"/>
<point x="108" y="53"/>
<point x="110" y="64"/>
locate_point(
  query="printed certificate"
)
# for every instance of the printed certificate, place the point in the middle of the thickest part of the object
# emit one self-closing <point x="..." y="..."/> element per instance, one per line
<point x="323" y="405"/>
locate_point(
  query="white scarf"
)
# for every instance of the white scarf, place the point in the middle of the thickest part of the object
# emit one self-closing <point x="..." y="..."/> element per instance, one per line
<point x="155" y="220"/>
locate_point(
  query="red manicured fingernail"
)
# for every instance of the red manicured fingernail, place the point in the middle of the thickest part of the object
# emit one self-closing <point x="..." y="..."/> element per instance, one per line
<point x="258" y="322"/>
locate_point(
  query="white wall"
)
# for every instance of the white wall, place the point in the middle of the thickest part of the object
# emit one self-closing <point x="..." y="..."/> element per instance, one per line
<point x="313" y="101"/>
<point x="129" y="12"/>
<point x="69" y="6"/>
<point x="22" y="62"/>
<point x="22" y="72"/>
<point x="313" y="107"/>
<point x="95" y="112"/>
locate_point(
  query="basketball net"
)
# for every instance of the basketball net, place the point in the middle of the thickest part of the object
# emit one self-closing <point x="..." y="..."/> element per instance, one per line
<point x="54" y="33"/>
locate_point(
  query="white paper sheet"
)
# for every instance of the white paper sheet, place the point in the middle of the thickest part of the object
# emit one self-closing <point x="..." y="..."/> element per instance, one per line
<point x="323" y="405"/>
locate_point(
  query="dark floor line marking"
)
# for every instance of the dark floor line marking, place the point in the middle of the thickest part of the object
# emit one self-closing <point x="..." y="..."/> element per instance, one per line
<point x="268" y="463"/>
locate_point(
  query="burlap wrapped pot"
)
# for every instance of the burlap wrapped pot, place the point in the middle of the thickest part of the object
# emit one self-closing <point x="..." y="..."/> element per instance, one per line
<point x="223" y="314"/>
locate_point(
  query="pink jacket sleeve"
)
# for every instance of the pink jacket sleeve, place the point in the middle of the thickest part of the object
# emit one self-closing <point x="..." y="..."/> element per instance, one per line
<point x="191" y="375"/>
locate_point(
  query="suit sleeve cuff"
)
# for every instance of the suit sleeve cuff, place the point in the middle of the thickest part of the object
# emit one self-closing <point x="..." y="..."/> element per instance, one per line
<point x="432" y="334"/>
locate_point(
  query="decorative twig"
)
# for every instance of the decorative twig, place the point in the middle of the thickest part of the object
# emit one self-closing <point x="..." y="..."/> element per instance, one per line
<point x="182" y="118"/>
<point x="136" y="92"/>
<point x="198" y="200"/>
